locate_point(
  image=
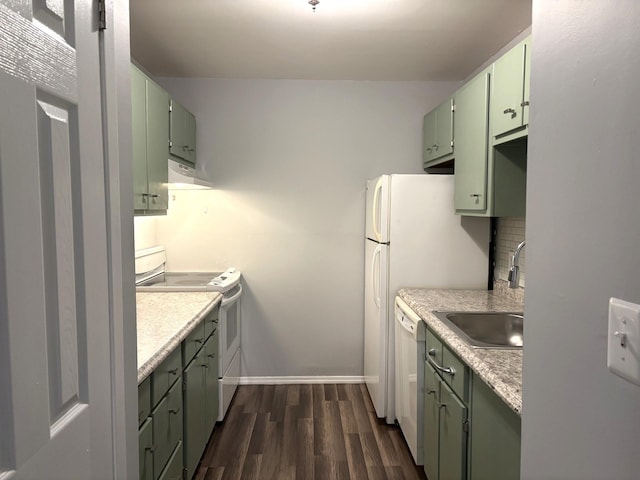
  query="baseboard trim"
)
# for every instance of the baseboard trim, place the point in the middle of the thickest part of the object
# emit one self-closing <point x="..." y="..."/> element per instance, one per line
<point x="301" y="380"/>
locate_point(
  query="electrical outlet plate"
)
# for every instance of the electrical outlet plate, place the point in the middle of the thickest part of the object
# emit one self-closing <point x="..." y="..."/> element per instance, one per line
<point x="623" y="353"/>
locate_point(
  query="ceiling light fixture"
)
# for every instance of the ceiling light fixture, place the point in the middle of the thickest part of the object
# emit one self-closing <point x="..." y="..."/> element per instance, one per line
<point x="313" y="3"/>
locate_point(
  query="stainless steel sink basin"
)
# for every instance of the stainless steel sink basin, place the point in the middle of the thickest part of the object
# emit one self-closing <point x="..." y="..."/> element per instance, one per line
<point x="486" y="329"/>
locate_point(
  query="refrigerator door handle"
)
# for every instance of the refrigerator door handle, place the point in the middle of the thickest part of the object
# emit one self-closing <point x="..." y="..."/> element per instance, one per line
<point x="375" y="275"/>
<point x="375" y="209"/>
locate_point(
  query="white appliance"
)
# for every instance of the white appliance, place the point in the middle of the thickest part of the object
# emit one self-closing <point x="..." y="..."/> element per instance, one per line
<point x="413" y="239"/>
<point x="184" y="177"/>
<point x="410" y="333"/>
<point x="151" y="277"/>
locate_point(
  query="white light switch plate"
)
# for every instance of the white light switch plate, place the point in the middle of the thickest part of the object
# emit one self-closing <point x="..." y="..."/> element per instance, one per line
<point x="623" y="354"/>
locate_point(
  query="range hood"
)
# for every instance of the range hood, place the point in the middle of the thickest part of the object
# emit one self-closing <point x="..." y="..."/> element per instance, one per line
<point x="183" y="177"/>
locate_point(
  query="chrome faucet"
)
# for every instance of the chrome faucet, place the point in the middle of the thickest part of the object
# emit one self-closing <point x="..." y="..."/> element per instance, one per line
<point x="514" y="271"/>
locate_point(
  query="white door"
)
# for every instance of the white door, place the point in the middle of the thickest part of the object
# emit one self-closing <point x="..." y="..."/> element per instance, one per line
<point x="55" y="353"/>
<point x="375" y="325"/>
<point x="377" y="209"/>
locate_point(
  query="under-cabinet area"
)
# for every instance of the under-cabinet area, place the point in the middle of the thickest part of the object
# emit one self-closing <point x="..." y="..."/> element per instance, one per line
<point x="471" y="398"/>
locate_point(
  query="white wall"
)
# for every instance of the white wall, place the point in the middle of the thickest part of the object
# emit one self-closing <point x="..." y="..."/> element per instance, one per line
<point x="291" y="159"/>
<point x="583" y="228"/>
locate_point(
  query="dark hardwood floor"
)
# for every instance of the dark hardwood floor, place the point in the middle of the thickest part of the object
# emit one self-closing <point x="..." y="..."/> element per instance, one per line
<point x="305" y="432"/>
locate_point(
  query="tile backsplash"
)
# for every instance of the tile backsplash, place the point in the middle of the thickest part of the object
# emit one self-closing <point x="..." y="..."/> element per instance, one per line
<point x="510" y="232"/>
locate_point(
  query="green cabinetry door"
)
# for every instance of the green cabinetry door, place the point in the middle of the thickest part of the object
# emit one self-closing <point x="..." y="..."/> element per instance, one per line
<point x="510" y="100"/>
<point x="150" y="127"/>
<point x="167" y="426"/>
<point x="194" y="411"/>
<point x="453" y="435"/>
<point x="173" y="470"/>
<point x="472" y="136"/>
<point x="211" y="384"/>
<point x="182" y="133"/>
<point x="431" y="422"/>
<point x="145" y="450"/>
<point x="438" y="134"/>
<point x="495" y="436"/>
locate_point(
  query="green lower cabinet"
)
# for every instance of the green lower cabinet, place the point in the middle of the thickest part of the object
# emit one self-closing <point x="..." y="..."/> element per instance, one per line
<point x="173" y="470"/>
<point x="145" y="450"/>
<point x="495" y="436"/>
<point x="211" y="384"/>
<point x="194" y="411"/>
<point x="167" y="426"/>
<point x="453" y="435"/>
<point x="431" y="422"/>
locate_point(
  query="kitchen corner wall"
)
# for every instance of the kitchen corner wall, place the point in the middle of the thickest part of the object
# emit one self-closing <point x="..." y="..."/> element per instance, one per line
<point x="290" y="160"/>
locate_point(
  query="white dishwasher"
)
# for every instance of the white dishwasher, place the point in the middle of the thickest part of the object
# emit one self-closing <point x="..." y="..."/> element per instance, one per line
<point x="410" y="332"/>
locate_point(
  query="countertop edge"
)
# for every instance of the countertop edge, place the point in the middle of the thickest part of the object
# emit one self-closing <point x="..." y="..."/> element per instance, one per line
<point x="507" y="393"/>
<point x="163" y="352"/>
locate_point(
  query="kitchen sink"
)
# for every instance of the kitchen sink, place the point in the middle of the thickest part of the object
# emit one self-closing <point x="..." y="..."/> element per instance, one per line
<point x="486" y="329"/>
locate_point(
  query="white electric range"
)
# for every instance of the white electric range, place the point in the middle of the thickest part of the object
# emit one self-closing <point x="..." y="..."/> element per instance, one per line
<point x="152" y="277"/>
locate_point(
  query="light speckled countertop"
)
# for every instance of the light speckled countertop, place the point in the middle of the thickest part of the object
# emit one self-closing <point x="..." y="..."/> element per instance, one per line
<point x="500" y="369"/>
<point x="163" y="320"/>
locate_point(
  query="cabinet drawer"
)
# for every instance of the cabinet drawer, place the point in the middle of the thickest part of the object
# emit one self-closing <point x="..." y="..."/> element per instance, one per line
<point x="145" y="450"/>
<point x="167" y="426"/>
<point x="459" y="381"/>
<point x="211" y="321"/>
<point x="434" y="347"/>
<point x="144" y="400"/>
<point x="165" y="375"/>
<point x="173" y="470"/>
<point x="193" y="343"/>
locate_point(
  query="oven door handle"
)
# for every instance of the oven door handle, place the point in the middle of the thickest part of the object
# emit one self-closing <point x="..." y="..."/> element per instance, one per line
<point x="233" y="298"/>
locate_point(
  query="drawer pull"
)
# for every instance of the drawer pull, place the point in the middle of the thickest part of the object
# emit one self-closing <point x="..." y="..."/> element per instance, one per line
<point x="198" y="340"/>
<point x="174" y="411"/>
<point x="173" y="371"/>
<point x="212" y="355"/>
<point x="150" y="449"/>
<point x="448" y="370"/>
<point x="511" y="111"/>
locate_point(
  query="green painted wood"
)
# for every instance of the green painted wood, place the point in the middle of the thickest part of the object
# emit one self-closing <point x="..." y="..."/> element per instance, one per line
<point x="144" y="400"/>
<point x="434" y="345"/>
<point x="527" y="79"/>
<point x="508" y="91"/>
<point x="472" y="135"/>
<point x="193" y="343"/>
<point x="139" y="140"/>
<point x="437" y="134"/>
<point x="459" y="381"/>
<point x="182" y="127"/>
<point x="167" y="426"/>
<point x="174" y="468"/>
<point x="211" y="321"/>
<point x="431" y="422"/>
<point x="194" y="412"/>
<point x="453" y="438"/>
<point x="444" y="129"/>
<point x="145" y="450"/>
<point x="495" y="436"/>
<point x="165" y="375"/>
<point x="157" y="146"/>
<point x="211" y="384"/>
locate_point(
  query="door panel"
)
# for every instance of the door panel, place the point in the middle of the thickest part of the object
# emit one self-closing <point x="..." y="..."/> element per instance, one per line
<point x="453" y="438"/>
<point x="431" y="421"/>
<point x="55" y="364"/>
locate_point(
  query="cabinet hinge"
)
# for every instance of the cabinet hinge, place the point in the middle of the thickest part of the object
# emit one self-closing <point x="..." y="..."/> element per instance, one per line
<point x="453" y="107"/>
<point x="170" y="144"/>
<point x="451" y="143"/>
<point x="102" y="14"/>
<point x="170" y="108"/>
<point x="465" y="426"/>
<point x="184" y="385"/>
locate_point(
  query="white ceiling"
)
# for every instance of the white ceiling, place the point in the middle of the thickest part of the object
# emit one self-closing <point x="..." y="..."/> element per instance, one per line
<point x="342" y="40"/>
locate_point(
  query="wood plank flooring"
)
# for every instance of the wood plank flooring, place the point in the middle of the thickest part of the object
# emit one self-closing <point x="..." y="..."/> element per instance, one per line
<point x="305" y="432"/>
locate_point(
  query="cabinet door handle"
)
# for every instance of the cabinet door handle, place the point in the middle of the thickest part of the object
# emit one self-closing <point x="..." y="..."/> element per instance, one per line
<point x="198" y="340"/>
<point x="212" y="355"/>
<point x="154" y="196"/>
<point x="431" y="392"/>
<point x="204" y="365"/>
<point x="442" y="405"/>
<point x="150" y="449"/>
<point x="173" y="371"/>
<point x="475" y="195"/>
<point x="511" y="111"/>
<point x="525" y="103"/>
<point x="448" y="370"/>
<point x="174" y="411"/>
<point x="435" y="146"/>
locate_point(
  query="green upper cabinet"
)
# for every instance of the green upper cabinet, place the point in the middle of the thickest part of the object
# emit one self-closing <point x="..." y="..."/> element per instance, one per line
<point x="472" y="136"/>
<point x="150" y="124"/>
<point x="438" y="134"/>
<point x="510" y="100"/>
<point x="182" y="133"/>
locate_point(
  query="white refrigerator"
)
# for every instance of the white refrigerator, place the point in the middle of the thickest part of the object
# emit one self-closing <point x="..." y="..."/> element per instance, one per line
<point x="413" y="239"/>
